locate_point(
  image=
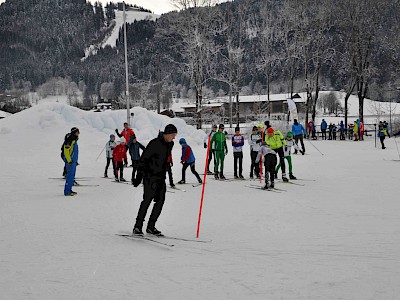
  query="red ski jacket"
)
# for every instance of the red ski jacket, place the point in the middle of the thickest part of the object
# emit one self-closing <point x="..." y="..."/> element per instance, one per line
<point x="119" y="153"/>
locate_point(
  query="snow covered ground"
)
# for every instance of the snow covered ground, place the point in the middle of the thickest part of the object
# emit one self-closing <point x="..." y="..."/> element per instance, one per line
<point x="111" y="39"/>
<point x="334" y="236"/>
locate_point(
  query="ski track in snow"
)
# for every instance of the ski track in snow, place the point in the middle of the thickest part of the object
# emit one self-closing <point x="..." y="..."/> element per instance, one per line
<point x="334" y="238"/>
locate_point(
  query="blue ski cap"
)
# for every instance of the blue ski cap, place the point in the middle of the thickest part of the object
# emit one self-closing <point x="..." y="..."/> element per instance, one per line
<point x="112" y="136"/>
<point x="182" y="141"/>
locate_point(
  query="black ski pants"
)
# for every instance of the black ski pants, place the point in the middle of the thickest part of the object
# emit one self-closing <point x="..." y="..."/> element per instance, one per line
<point x="238" y="158"/>
<point x="254" y="166"/>
<point x="119" y="167"/>
<point x="169" y="171"/>
<point x="135" y="164"/>
<point x="154" y="188"/>
<point x="298" y="138"/>
<point x="192" y="168"/>
<point x="211" y="154"/>
<point x="382" y="139"/>
<point x="110" y="160"/>
<point x="270" y="164"/>
<point x="323" y="134"/>
<point x="281" y="155"/>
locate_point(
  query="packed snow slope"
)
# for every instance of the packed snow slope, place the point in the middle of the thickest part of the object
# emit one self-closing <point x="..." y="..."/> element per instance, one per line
<point x="334" y="236"/>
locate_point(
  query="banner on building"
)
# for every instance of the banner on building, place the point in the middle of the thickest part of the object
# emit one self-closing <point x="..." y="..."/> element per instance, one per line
<point x="292" y="110"/>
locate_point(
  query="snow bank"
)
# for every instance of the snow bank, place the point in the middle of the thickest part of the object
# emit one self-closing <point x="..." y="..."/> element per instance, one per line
<point x="146" y="124"/>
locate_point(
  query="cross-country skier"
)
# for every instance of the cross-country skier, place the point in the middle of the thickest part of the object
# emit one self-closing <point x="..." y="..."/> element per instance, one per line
<point x="382" y="134"/>
<point x="71" y="153"/>
<point x="269" y="163"/>
<point x="299" y="133"/>
<point x="220" y="150"/>
<point x="237" y="144"/>
<point x="126" y="133"/>
<point x="187" y="160"/>
<point x="152" y="170"/>
<point x="211" y="152"/>
<point x="119" y="154"/>
<point x="109" y="154"/>
<point x="134" y="146"/>
<point x="255" y="140"/>
<point x="276" y="142"/>
<point x="287" y="151"/>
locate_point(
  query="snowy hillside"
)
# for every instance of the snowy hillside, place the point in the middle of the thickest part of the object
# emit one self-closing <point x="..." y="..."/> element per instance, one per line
<point x="111" y="39"/>
<point x="4" y="114"/>
<point x="333" y="235"/>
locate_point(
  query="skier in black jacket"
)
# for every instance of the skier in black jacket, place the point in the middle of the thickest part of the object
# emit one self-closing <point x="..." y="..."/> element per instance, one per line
<point x="152" y="170"/>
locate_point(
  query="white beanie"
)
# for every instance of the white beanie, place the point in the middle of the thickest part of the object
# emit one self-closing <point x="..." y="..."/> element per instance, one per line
<point x="122" y="140"/>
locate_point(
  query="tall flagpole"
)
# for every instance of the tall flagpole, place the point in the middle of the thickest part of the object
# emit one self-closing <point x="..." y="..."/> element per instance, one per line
<point x="128" y="114"/>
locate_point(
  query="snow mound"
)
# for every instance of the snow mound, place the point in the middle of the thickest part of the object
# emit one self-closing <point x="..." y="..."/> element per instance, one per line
<point x="146" y="124"/>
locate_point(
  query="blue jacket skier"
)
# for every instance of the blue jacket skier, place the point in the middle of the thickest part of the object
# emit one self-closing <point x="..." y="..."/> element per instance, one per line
<point x="71" y="153"/>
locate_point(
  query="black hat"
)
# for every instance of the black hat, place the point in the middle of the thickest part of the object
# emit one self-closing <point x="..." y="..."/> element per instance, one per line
<point x="266" y="123"/>
<point x="215" y="126"/>
<point x="170" y="128"/>
<point x="74" y="130"/>
<point x="237" y="128"/>
<point x="221" y="126"/>
<point x="255" y="128"/>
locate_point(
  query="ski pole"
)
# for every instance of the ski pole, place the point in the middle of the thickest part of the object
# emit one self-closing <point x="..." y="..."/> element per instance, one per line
<point x="315" y="147"/>
<point x="203" y="187"/>
<point x="101" y="152"/>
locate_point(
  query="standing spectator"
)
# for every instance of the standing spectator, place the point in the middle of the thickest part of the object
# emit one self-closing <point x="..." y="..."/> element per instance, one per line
<point x="237" y="144"/>
<point x="71" y="153"/>
<point x="361" y="130"/>
<point x="126" y="133"/>
<point x="386" y="126"/>
<point x="276" y="142"/>
<point x="187" y="160"/>
<point x="324" y="125"/>
<point x="211" y="152"/>
<point x="330" y="128"/>
<point x="152" y="170"/>
<point x="220" y="149"/>
<point x="351" y="129"/>
<point x="382" y="134"/>
<point x="342" y="131"/>
<point x="255" y="140"/>
<point x="334" y="130"/>
<point x="309" y="128"/>
<point x="355" y="130"/>
<point x="109" y="154"/>
<point x="134" y="146"/>
<point x="299" y="133"/>
<point x="119" y="154"/>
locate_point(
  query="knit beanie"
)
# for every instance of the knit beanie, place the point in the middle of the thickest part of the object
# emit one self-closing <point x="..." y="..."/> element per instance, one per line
<point x="170" y="128"/>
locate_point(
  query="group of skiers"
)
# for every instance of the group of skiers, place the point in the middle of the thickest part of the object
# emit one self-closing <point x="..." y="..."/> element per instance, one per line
<point x="265" y="144"/>
<point x="354" y="130"/>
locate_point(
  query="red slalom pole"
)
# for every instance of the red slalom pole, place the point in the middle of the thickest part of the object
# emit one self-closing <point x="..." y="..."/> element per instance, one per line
<point x="203" y="187"/>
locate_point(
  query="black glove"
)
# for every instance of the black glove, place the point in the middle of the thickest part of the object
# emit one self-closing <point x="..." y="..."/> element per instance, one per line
<point x="116" y="130"/>
<point x="205" y="146"/>
<point x="285" y="148"/>
<point x="138" y="179"/>
<point x="226" y="151"/>
<point x="258" y="141"/>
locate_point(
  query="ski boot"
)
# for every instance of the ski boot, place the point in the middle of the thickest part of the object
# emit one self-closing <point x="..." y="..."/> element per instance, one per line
<point x="122" y="179"/>
<point x="216" y="176"/>
<point x="116" y="179"/>
<point x="241" y="177"/>
<point x="172" y="185"/>
<point x="284" y="178"/>
<point x="137" y="231"/>
<point x="266" y="186"/>
<point x="154" y="231"/>
<point x="105" y="175"/>
<point x="181" y="182"/>
<point x="272" y="185"/>
<point x="209" y="172"/>
<point x="221" y="176"/>
<point x="235" y="176"/>
<point x="291" y="176"/>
